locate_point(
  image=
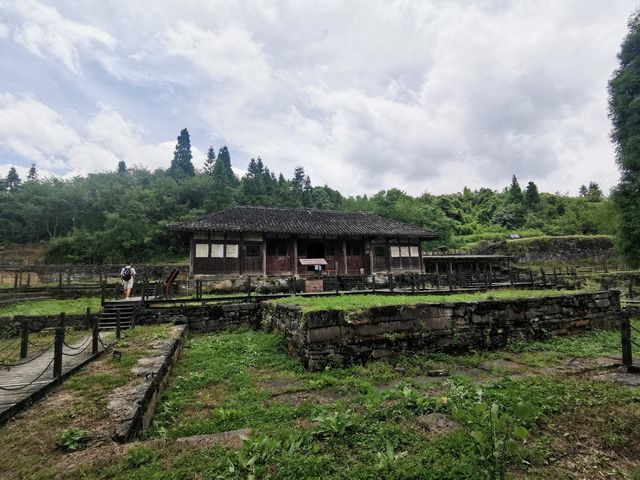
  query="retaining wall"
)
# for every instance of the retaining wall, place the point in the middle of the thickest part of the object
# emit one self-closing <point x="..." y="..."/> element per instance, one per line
<point x="341" y="338"/>
<point x="204" y="318"/>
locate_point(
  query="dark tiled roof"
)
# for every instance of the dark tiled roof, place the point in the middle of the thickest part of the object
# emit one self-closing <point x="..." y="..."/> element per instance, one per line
<point x="301" y="221"/>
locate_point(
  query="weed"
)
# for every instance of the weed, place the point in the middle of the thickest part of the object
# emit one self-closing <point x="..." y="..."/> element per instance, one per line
<point x="388" y="458"/>
<point x="73" y="439"/>
<point x="334" y="424"/>
<point x="496" y="433"/>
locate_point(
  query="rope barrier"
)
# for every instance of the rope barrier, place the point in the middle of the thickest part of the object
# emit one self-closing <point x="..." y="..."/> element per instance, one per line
<point x="6" y="347"/>
<point x="76" y="348"/>
<point x="28" y="361"/>
<point x="7" y="389"/>
<point x="86" y="344"/>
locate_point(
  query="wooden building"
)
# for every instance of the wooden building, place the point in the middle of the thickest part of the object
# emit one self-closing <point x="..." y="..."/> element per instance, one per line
<point x="295" y="241"/>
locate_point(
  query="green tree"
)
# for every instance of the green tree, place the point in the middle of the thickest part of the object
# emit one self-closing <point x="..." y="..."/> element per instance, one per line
<point x="514" y="191"/>
<point x="594" y="194"/>
<point x="122" y="168"/>
<point x="209" y="161"/>
<point x="531" y="196"/>
<point x="182" y="165"/>
<point x="33" y="173"/>
<point x="624" y="112"/>
<point x="13" y="180"/>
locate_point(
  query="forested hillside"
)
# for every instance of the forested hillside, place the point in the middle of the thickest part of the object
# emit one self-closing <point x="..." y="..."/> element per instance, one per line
<point x="110" y="217"/>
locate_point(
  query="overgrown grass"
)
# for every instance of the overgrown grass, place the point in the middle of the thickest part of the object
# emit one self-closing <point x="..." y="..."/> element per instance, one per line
<point x="31" y="441"/>
<point x="361" y="302"/>
<point x="76" y="306"/>
<point x="358" y="422"/>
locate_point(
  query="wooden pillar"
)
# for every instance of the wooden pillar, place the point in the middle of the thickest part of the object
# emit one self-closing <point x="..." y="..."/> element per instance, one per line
<point x="241" y="255"/>
<point x="370" y="257"/>
<point x="420" y="263"/>
<point x="388" y="256"/>
<point x="294" y="249"/>
<point x="24" y="344"/>
<point x="264" y="255"/>
<point x="344" y="256"/>
<point x="437" y="274"/>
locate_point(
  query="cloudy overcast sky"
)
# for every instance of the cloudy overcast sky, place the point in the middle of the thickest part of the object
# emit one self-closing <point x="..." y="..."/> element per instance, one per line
<point x="365" y="95"/>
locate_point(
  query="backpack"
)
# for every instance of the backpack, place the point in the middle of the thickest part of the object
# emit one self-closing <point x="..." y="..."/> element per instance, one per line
<point x="126" y="274"/>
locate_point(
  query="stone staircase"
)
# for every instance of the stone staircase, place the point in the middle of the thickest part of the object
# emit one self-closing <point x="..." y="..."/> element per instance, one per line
<point x="110" y="312"/>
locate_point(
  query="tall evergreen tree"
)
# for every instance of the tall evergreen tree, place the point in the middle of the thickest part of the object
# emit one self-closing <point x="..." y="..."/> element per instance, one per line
<point x="225" y="164"/>
<point x="209" y="161"/>
<point x="531" y="195"/>
<point x="13" y="180"/>
<point x="514" y="191"/>
<point x="182" y="165"/>
<point x="583" y="191"/>
<point x="594" y="193"/>
<point x="624" y="112"/>
<point x="33" y="173"/>
<point x="122" y="168"/>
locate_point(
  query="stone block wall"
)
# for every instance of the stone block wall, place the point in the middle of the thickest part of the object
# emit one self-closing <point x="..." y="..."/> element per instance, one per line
<point x="342" y="338"/>
<point x="10" y="326"/>
<point x="204" y="318"/>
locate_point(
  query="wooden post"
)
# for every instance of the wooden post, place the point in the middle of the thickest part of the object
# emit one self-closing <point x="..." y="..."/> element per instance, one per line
<point x="57" y="349"/>
<point x="95" y="337"/>
<point x="20" y="279"/>
<point x="68" y="279"/>
<point x="544" y="277"/>
<point x="437" y="274"/>
<point x="28" y="280"/>
<point x="103" y="287"/>
<point x="15" y="282"/>
<point x="625" y="334"/>
<point x="370" y="257"/>
<point x="60" y="280"/>
<point x="264" y="255"/>
<point x="531" y="277"/>
<point x="391" y="286"/>
<point x="388" y="255"/>
<point x="344" y="256"/>
<point x="118" y="332"/>
<point x="241" y="255"/>
<point x="420" y="262"/>
<point x="24" y="344"/>
<point x="294" y="270"/>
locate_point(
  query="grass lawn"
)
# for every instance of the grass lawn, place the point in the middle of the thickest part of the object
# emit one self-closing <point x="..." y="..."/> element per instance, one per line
<point x="361" y="302"/>
<point x="31" y="441"/>
<point x="76" y="306"/>
<point x="389" y="419"/>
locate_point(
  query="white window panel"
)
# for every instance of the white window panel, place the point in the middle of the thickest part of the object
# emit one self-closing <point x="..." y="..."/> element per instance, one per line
<point x="202" y="250"/>
<point x="217" y="250"/>
<point x="404" y="251"/>
<point x="414" y="251"/>
<point x="395" y="251"/>
<point x="232" y="250"/>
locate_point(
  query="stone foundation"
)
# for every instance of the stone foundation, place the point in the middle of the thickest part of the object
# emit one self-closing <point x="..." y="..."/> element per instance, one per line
<point x="342" y="338"/>
<point x="204" y="318"/>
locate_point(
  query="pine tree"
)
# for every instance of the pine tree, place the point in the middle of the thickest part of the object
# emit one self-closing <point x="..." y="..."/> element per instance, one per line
<point x="582" y="191"/>
<point x="122" y="168"/>
<point x="13" y="180"/>
<point x="182" y="165"/>
<point x="209" y="162"/>
<point x="225" y="170"/>
<point x="594" y="193"/>
<point x="624" y="112"/>
<point x="531" y="195"/>
<point x="514" y="192"/>
<point x="33" y="173"/>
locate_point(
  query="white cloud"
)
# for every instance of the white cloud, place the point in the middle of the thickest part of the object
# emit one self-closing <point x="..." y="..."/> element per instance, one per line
<point x="366" y="95"/>
<point x="34" y="131"/>
<point x="44" y="32"/>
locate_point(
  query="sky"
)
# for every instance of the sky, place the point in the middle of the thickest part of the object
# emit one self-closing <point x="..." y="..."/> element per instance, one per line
<point x="421" y="95"/>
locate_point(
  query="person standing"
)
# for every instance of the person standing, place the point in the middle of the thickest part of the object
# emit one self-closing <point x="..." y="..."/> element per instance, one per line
<point x="127" y="273"/>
